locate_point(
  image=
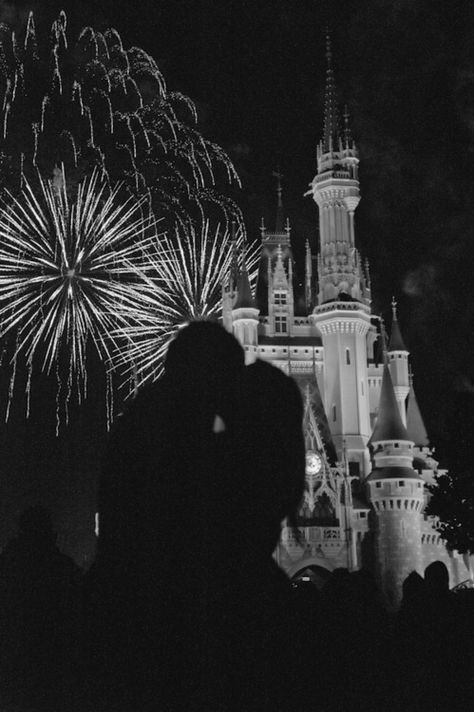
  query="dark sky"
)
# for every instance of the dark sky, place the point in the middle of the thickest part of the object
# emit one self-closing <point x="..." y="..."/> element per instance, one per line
<point x="256" y="72"/>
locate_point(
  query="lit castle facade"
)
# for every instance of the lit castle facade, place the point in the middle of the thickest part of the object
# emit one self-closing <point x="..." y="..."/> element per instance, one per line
<point x="368" y="458"/>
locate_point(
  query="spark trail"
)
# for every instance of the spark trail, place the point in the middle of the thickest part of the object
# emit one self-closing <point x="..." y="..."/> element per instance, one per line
<point x="89" y="102"/>
<point x="183" y="283"/>
<point x="65" y="273"/>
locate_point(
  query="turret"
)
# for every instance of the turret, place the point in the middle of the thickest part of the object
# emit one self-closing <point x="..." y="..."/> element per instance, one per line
<point x="342" y="315"/>
<point x="335" y="189"/>
<point x="279" y="268"/>
<point x="398" y="359"/>
<point x="396" y="492"/>
<point x="229" y="286"/>
<point x="245" y="316"/>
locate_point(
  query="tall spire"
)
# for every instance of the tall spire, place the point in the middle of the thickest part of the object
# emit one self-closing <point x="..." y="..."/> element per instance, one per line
<point x="331" y="113"/>
<point x="389" y="425"/>
<point x="396" y="342"/>
<point x="245" y="298"/>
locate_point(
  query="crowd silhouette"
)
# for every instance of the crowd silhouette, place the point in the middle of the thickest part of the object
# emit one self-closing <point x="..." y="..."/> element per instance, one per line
<point x="184" y="608"/>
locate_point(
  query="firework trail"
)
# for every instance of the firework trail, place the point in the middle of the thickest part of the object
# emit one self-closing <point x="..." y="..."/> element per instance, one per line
<point x="65" y="275"/>
<point x="184" y="282"/>
<point x="93" y="102"/>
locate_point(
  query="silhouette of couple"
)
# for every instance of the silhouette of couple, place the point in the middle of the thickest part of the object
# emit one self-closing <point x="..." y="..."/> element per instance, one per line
<point x="188" y="609"/>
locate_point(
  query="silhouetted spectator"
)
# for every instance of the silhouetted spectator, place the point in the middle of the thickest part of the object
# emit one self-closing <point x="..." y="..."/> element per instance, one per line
<point x="39" y="617"/>
<point x="190" y="607"/>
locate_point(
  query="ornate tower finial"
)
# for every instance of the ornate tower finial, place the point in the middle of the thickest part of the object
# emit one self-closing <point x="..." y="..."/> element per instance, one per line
<point x="262" y="227"/>
<point x="279" y="221"/>
<point x="331" y="113"/>
<point x="394" y="309"/>
<point x="278" y="175"/>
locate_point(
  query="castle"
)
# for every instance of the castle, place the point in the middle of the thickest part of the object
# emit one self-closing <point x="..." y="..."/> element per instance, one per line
<point x="368" y="460"/>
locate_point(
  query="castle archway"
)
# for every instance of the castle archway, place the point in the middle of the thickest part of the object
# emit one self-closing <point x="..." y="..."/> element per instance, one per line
<point x="312" y="572"/>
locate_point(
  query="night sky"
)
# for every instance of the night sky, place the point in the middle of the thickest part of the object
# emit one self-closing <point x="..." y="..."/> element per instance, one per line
<point x="256" y="72"/>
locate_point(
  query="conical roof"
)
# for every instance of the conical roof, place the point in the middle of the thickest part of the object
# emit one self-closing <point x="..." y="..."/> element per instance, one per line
<point x="396" y="342"/>
<point x="389" y="425"/>
<point x="415" y="425"/>
<point x="245" y="298"/>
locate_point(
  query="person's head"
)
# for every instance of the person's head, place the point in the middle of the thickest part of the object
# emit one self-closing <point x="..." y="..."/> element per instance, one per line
<point x="437" y="577"/>
<point x="205" y="357"/>
<point x="204" y="346"/>
<point x="413" y="587"/>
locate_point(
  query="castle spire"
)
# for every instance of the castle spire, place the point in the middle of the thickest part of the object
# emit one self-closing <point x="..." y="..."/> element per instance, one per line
<point x="245" y="298"/>
<point x="396" y="342"/>
<point x="331" y="112"/>
<point x="389" y="425"/>
<point x="415" y="425"/>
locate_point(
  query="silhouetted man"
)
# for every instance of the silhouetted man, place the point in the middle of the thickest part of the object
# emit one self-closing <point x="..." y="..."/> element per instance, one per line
<point x="199" y="474"/>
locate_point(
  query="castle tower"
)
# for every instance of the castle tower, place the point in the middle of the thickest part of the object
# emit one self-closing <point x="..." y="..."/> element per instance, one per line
<point x="277" y="259"/>
<point x="342" y="314"/>
<point x="398" y="360"/>
<point x="229" y="286"/>
<point x="415" y="425"/>
<point x="395" y="491"/>
<point x="244" y="316"/>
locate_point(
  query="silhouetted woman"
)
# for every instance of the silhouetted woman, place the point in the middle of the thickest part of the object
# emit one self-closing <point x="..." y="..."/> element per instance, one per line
<point x="188" y="603"/>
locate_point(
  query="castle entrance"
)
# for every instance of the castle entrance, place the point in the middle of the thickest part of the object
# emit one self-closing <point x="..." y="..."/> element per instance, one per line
<point x="317" y="575"/>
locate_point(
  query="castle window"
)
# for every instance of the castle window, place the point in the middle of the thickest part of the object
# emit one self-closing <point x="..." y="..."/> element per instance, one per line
<point x="363" y="515"/>
<point x="334" y="413"/>
<point x="401" y="483"/>
<point x="378" y="485"/>
<point x="362" y="388"/>
<point x="354" y="469"/>
<point x="348" y="357"/>
<point x="280" y="325"/>
<point x="280" y="298"/>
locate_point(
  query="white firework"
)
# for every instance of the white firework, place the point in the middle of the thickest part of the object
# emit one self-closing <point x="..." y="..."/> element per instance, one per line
<point x="183" y="282"/>
<point x="65" y="271"/>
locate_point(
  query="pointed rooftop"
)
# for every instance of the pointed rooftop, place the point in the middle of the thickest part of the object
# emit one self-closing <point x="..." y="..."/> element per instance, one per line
<point x="331" y="112"/>
<point x="389" y="425"/>
<point x="317" y="433"/>
<point x="245" y="298"/>
<point x="415" y="425"/>
<point x="396" y="342"/>
<point x="281" y="233"/>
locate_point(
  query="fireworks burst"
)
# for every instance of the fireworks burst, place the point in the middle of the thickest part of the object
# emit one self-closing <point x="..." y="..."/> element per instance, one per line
<point x="95" y="103"/>
<point x="184" y="282"/>
<point x="65" y="271"/>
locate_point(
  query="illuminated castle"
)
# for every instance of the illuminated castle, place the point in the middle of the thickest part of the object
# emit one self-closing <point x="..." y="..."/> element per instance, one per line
<point x="368" y="458"/>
